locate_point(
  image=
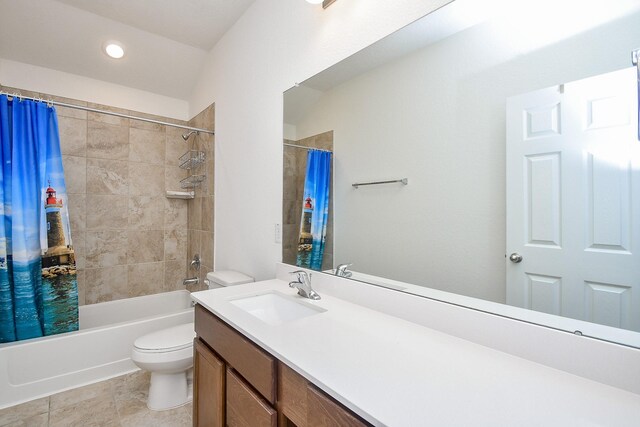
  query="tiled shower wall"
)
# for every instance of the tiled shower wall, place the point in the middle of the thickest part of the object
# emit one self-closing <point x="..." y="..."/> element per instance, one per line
<point x="295" y="164"/>
<point x="200" y="222"/>
<point x="130" y="240"/>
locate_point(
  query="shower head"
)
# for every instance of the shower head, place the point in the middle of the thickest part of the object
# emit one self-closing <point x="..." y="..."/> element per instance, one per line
<point x="187" y="135"/>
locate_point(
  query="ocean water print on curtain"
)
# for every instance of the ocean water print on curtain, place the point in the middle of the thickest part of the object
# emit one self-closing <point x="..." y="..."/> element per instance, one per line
<point x="38" y="284"/>
<point x="315" y="210"/>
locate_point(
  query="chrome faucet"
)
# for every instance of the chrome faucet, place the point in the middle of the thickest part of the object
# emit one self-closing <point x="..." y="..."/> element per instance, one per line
<point x="303" y="284"/>
<point x="195" y="263"/>
<point x="191" y="281"/>
<point x="342" y="271"/>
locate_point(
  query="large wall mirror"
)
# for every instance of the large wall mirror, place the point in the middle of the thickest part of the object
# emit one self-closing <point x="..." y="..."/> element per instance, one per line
<point x="515" y="125"/>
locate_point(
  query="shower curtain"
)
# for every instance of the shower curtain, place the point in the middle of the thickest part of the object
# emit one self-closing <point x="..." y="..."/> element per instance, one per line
<point x="38" y="286"/>
<point x="315" y="210"/>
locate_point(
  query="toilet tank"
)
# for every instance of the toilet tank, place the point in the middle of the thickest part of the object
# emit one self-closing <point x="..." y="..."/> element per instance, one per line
<point x="227" y="278"/>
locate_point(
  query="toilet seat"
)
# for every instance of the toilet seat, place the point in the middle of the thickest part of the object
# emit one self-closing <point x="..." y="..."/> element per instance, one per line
<point x="167" y="340"/>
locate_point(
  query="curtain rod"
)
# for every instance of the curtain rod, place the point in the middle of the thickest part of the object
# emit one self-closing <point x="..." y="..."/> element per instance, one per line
<point x="306" y="148"/>
<point x="111" y="113"/>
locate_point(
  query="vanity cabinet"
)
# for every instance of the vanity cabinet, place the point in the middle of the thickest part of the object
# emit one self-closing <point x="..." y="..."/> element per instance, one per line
<point x="237" y="384"/>
<point x="208" y="388"/>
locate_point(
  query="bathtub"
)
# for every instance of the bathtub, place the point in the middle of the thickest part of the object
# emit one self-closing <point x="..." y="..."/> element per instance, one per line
<point x="101" y="349"/>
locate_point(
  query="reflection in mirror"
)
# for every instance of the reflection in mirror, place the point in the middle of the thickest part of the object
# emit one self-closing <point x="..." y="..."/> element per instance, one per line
<point x="517" y="129"/>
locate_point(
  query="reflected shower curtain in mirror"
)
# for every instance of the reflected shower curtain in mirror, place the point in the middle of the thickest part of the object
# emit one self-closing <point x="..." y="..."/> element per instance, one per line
<point x="315" y="210"/>
<point x="38" y="286"/>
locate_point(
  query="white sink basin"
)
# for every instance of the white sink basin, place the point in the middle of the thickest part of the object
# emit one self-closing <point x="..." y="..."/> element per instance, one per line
<point x="275" y="308"/>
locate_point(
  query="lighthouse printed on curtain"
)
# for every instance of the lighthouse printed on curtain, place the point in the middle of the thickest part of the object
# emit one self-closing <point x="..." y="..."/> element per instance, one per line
<point x="315" y="210"/>
<point x="59" y="279"/>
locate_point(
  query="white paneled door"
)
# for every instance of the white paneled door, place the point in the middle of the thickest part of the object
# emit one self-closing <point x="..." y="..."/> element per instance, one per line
<point x="573" y="200"/>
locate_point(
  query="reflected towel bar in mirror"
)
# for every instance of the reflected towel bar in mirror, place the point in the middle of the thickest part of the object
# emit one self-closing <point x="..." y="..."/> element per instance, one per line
<point x="404" y="181"/>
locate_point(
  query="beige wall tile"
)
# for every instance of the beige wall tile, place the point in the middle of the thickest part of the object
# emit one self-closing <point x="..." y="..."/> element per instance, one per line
<point x="206" y="247"/>
<point x="175" y="214"/>
<point x="195" y="214"/>
<point x="107" y="141"/>
<point x="290" y="214"/>
<point x="106" y="248"/>
<point x="81" y="277"/>
<point x="172" y="177"/>
<point x="106" y="284"/>
<point x="106" y="118"/>
<point x="210" y="177"/>
<point x="73" y="136"/>
<point x="76" y="205"/>
<point x="174" y="273"/>
<point x="107" y="176"/>
<point x="68" y="111"/>
<point x="146" y="213"/>
<point x="107" y="212"/>
<point x="204" y="119"/>
<point x="289" y="256"/>
<point x="207" y="213"/>
<point x="146" y="146"/>
<point x="75" y="174"/>
<point x="145" y="246"/>
<point x="193" y="244"/>
<point x="80" y="248"/>
<point x="175" y="146"/>
<point x="146" y="279"/>
<point x="139" y="124"/>
<point x="289" y="190"/>
<point x="175" y="244"/>
<point x="145" y="180"/>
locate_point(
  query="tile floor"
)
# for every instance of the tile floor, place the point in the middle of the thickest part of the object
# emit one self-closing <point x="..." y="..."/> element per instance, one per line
<point x="119" y="402"/>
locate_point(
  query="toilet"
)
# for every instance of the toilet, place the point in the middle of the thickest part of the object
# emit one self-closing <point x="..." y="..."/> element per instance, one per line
<point x="168" y="353"/>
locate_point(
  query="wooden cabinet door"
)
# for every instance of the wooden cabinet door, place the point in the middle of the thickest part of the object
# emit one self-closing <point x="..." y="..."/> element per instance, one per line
<point x="322" y="411"/>
<point x="245" y="408"/>
<point x="208" y="387"/>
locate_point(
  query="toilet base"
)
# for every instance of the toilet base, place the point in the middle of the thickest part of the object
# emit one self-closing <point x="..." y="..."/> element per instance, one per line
<point x="168" y="391"/>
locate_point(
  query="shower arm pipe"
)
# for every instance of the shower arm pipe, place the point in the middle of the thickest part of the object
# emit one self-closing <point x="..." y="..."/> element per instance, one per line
<point x="110" y="113"/>
<point x="306" y="148"/>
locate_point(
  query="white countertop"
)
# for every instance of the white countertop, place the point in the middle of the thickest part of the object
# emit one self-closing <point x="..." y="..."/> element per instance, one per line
<point x="396" y="373"/>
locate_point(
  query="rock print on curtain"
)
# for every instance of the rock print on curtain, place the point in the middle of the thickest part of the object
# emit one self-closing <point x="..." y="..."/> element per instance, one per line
<point x="315" y="210"/>
<point x="38" y="285"/>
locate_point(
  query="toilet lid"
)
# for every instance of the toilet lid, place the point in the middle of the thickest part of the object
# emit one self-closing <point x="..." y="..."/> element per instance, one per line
<point x="171" y="339"/>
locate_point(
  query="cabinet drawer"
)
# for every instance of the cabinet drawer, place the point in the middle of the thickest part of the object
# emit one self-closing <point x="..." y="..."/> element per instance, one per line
<point x="254" y="364"/>
<point x="244" y="407"/>
<point x="322" y="411"/>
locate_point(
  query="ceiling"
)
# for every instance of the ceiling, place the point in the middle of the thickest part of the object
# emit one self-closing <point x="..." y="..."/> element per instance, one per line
<point x="166" y="41"/>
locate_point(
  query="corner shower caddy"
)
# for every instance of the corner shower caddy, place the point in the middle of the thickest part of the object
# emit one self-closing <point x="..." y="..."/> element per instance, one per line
<point x="191" y="161"/>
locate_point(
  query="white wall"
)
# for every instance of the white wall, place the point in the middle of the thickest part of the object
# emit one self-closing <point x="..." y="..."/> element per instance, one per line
<point x="58" y="83"/>
<point x="273" y="45"/>
<point x="438" y="118"/>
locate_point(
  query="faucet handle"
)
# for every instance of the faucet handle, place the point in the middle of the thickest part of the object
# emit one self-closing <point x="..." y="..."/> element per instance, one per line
<point x="303" y="276"/>
<point x="341" y="270"/>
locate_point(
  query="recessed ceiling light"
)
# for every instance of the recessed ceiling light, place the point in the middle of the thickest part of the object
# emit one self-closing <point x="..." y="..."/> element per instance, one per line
<point x="315" y="1"/>
<point x="114" y="50"/>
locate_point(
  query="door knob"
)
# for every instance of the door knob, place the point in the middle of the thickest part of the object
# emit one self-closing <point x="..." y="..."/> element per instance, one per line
<point x="515" y="257"/>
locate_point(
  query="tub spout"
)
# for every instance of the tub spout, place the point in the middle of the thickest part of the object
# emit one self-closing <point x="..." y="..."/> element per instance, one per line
<point x="191" y="281"/>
